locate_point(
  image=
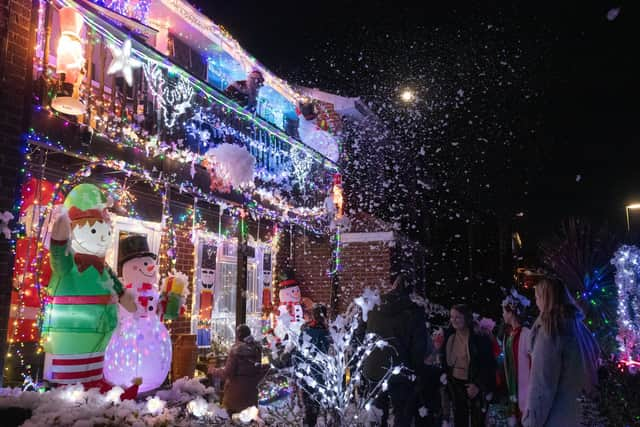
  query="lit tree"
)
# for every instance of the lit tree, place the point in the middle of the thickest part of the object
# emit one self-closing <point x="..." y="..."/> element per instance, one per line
<point x="334" y="378"/>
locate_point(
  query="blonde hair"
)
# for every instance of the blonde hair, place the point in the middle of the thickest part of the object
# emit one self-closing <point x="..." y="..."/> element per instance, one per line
<point x="558" y="305"/>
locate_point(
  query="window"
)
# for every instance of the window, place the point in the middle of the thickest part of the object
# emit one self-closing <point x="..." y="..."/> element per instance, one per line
<point x="222" y="321"/>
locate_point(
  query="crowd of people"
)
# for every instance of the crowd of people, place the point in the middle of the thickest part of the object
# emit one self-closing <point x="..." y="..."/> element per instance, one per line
<point x="538" y="373"/>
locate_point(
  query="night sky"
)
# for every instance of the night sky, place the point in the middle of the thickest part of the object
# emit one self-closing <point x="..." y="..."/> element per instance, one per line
<point x="560" y="77"/>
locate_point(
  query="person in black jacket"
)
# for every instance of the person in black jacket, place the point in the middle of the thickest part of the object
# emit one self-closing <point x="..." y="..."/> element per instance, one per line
<point x="470" y="366"/>
<point x="402" y="323"/>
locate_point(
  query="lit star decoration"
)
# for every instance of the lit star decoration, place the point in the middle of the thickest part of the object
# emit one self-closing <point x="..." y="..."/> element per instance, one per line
<point x="123" y="61"/>
<point x="627" y="263"/>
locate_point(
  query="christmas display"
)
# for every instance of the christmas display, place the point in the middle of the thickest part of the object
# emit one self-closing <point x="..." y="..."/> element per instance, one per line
<point x="627" y="263"/>
<point x="140" y="347"/>
<point x="81" y="314"/>
<point x="334" y="377"/>
<point x="290" y="312"/>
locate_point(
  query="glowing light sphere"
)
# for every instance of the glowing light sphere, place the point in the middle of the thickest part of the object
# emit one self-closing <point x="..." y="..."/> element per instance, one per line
<point x="407" y="95"/>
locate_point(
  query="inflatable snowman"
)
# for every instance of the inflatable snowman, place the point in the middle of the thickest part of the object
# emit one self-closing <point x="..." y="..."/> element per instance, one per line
<point x="141" y="346"/>
<point x="81" y="314"/>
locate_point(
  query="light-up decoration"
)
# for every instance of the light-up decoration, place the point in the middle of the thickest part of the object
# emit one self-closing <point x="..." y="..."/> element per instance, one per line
<point x="246" y="416"/>
<point x="335" y="206"/>
<point x="301" y="163"/>
<point x="174" y="98"/>
<point x="155" y="405"/>
<point x="70" y="63"/>
<point x="141" y="345"/>
<point x="334" y="376"/>
<point x="78" y="322"/>
<point x="627" y="263"/>
<point x="135" y="9"/>
<point x="338" y="195"/>
<point x="123" y="61"/>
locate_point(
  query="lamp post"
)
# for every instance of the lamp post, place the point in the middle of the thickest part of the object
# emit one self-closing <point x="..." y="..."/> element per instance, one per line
<point x="627" y="208"/>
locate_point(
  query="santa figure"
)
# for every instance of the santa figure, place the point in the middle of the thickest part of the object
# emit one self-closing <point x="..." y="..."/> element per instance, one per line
<point x="81" y="312"/>
<point x="141" y="346"/>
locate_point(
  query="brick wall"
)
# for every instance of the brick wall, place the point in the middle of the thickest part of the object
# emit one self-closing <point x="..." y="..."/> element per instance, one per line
<point x="364" y="264"/>
<point x="184" y="264"/>
<point x="15" y="65"/>
<point x="311" y="260"/>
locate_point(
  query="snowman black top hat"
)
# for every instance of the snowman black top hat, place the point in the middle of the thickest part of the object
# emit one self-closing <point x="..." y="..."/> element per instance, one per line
<point x="133" y="246"/>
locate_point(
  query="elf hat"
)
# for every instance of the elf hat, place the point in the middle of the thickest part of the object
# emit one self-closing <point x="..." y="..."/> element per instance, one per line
<point x="86" y="201"/>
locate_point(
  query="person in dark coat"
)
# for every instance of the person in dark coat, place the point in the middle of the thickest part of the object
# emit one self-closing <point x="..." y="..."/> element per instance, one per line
<point x="402" y="323"/>
<point x="318" y="335"/>
<point x="470" y="366"/>
<point x="242" y="372"/>
<point x="245" y="92"/>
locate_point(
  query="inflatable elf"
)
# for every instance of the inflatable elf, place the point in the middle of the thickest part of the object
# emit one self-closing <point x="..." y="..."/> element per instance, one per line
<point x="81" y="312"/>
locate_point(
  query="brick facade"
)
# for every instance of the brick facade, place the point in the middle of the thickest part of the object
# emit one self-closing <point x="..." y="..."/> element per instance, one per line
<point x="184" y="264"/>
<point x="364" y="263"/>
<point x="15" y="64"/>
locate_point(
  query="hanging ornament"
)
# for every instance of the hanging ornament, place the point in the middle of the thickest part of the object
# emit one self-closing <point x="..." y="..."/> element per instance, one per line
<point x="123" y="61"/>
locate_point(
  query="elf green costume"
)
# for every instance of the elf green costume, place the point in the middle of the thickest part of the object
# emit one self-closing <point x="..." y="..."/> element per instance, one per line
<point x="80" y="314"/>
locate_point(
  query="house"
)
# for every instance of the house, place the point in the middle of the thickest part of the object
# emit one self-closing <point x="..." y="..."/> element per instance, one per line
<point x="228" y="170"/>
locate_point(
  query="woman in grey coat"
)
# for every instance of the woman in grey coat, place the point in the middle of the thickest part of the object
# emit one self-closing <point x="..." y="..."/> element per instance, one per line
<point x="564" y="360"/>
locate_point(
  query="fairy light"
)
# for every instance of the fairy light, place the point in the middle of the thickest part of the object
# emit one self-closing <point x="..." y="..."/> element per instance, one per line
<point x="627" y="263"/>
<point x="332" y="377"/>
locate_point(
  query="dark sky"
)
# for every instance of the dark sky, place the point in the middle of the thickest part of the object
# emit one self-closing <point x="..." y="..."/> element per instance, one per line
<point x="580" y="68"/>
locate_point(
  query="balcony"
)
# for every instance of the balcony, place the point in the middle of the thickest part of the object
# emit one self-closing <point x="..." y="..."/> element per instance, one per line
<point x="165" y="119"/>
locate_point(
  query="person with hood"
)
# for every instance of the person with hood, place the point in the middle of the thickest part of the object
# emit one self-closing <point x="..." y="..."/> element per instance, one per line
<point x="564" y="360"/>
<point x="316" y="332"/>
<point x="241" y="373"/>
<point x="517" y="361"/>
<point x="402" y="323"/>
<point x="470" y="366"/>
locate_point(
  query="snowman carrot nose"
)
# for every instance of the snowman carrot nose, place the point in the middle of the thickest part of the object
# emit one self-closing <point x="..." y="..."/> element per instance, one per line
<point x="150" y="268"/>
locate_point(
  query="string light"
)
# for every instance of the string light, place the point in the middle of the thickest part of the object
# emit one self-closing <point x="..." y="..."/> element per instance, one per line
<point x="332" y="376"/>
<point x="627" y="263"/>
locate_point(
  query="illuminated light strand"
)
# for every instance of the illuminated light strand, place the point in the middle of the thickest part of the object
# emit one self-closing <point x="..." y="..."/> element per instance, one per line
<point x="627" y="263"/>
<point x="332" y="377"/>
<point x="314" y="215"/>
<point x="200" y="87"/>
<point x="138" y="9"/>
